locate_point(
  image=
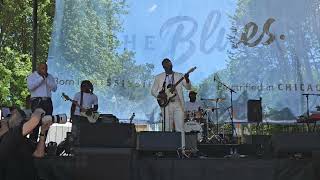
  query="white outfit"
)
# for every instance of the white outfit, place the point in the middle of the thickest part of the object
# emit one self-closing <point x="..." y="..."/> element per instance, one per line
<point x="174" y="111"/>
<point x="88" y="101"/>
<point x="39" y="86"/>
<point x="192" y="106"/>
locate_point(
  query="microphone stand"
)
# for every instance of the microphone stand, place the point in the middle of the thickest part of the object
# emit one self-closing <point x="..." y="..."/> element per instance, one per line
<point x="231" y="101"/>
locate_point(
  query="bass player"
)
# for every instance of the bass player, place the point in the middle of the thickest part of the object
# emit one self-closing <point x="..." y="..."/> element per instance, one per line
<point x="173" y="112"/>
<point x="88" y="102"/>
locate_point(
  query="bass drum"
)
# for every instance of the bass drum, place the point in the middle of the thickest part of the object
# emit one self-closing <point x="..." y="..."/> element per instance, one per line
<point x="193" y="126"/>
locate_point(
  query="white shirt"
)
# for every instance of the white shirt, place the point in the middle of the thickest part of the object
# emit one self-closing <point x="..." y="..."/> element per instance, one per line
<point x="170" y="80"/>
<point x="39" y="86"/>
<point x="88" y="101"/>
<point x="192" y="106"/>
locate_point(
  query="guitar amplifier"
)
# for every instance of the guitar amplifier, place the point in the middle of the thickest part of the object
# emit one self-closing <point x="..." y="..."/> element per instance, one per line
<point x="254" y="111"/>
<point x="108" y="118"/>
<point x="110" y="135"/>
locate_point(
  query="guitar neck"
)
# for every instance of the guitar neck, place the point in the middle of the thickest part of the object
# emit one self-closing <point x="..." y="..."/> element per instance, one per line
<point x="75" y="102"/>
<point x="178" y="82"/>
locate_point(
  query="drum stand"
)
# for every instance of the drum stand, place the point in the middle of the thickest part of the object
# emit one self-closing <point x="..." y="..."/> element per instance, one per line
<point x="206" y="133"/>
<point x="215" y="135"/>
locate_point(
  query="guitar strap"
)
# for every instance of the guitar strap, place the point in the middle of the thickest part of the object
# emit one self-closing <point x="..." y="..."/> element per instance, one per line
<point x="172" y="80"/>
<point x="165" y="79"/>
<point x="81" y="100"/>
<point x="164" y="82"/>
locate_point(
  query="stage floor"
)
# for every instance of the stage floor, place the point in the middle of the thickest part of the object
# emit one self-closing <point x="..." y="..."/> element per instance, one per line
<point x="117" y="168"/>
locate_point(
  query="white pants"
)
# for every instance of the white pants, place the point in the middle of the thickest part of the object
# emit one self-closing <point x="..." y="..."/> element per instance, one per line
<point x="174" y="119"/>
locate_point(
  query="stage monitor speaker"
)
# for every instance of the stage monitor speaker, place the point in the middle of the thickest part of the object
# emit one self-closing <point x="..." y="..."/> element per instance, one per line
<point x="108" y="118"/>
<point x="109" y="135"/>
<point x="284" y="144"/>
<point x="103" y="163"/>
<point x="260" y="145"/>
<point x="254" y="111"/>
<point x="164" y="141"/>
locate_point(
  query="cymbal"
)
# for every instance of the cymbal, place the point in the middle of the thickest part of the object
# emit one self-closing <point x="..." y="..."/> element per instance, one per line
<point x="215" y="99"/>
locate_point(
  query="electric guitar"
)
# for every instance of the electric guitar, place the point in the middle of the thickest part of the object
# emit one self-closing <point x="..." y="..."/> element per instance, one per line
<point x="167" y="94"/>
<point x="88" y="113"/>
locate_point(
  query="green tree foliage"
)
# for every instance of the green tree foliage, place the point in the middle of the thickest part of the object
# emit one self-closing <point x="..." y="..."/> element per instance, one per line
<point x="90" y="45"/>
<point x="85" y="45"/>
<point x="293" y="60"/>
<point x="16" y="45"/>
<point x="14" y="68"/>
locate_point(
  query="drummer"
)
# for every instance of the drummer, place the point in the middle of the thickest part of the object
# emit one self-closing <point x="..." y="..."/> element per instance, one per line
<point x="193" y="105"/>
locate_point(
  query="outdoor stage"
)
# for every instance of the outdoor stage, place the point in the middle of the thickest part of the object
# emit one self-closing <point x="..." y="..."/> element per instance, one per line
<point x="120" y="153"/>
<point x="122" y="164"/>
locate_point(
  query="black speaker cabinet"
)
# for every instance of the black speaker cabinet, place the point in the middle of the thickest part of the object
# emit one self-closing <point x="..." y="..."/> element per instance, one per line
<point x="284" y="144"/>
<point x="164" y="141"/>
<point x="107" y="135"/>
<point x="254" y="111"/>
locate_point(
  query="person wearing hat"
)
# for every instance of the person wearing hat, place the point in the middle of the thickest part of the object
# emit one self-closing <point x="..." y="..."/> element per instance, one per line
<point x="193" y="105"/>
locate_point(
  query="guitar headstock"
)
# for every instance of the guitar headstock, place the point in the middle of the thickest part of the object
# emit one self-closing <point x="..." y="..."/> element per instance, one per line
<point x="66" y="97"/>
<point x="192" y="69"/>
<point x="132" y="116"/>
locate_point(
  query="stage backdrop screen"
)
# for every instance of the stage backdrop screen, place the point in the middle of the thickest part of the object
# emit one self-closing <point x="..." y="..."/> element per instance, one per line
<point x="258" y="48"/>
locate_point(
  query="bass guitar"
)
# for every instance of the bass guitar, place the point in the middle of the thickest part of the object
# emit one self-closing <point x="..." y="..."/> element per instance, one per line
<point x="88" y="113"/>
<point x="168" y="93"/>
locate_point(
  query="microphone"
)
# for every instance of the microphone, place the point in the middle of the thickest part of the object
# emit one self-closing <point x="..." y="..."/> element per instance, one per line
<point x="214" y="78"/>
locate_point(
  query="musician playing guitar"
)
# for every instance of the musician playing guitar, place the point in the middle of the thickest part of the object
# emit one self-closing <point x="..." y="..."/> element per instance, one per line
<point x="173" y="110"/>
<point x="85" y="99"/>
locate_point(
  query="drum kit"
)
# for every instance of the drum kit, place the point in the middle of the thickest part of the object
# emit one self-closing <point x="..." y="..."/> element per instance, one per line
<point x="199" y="122"/>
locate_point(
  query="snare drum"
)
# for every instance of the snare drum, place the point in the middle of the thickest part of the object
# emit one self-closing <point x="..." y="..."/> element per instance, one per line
<point x="193" y="126"/>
